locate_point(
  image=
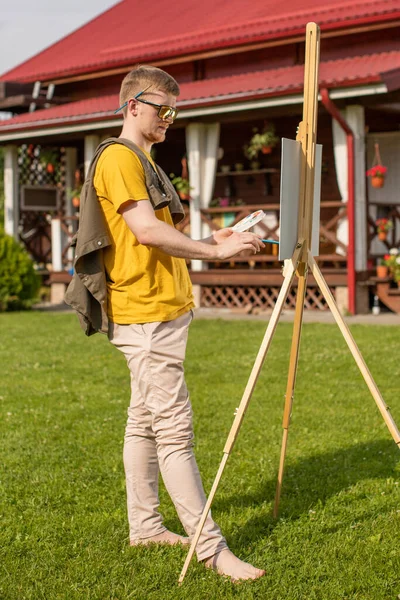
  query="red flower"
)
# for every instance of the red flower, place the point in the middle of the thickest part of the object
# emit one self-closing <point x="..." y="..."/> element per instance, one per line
<point x="383" y="225"/>
<point x="377" y="171"/>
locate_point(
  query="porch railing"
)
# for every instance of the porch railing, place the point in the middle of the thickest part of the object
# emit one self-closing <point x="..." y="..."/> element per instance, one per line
<point x="332" y="213"/>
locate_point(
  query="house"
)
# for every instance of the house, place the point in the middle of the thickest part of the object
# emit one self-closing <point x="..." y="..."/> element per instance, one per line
<point x="240" y="67"/>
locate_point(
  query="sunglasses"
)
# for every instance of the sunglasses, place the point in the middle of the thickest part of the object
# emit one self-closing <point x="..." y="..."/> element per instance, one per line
<point x="164" y="111"/>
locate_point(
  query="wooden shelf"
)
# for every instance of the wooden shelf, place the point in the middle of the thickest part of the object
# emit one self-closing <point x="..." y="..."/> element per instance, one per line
<point x="246" y="172"/>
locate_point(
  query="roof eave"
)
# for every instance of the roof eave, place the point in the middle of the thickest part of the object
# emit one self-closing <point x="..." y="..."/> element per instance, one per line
<point x="189" y="109"/>
<point x="338" y="27"/>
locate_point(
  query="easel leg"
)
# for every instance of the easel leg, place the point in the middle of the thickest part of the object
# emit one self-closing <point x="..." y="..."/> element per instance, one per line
<point x="373" y="388"/>
<point x="289" y="275"/>
<point x="294" y="356"/>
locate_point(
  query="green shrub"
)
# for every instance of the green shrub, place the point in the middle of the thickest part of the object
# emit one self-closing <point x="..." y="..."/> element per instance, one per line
<point x="1" y="188"/>
<point x="19" y="283"/>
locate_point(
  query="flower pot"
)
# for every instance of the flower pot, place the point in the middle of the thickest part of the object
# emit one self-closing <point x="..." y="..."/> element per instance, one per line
<point x="266" y="149"/>
<point x="183" y="196"/>
<point x="382" y="235"/>
<point x="381" y="271"/>
<point x="377" y="182"/>
<point x="76" y="201"/>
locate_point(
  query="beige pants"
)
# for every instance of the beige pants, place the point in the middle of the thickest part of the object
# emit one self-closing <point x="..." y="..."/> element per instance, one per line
<point x="159" y="432"/>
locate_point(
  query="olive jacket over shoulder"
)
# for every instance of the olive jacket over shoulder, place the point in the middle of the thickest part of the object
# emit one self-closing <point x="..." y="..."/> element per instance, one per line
<point x="87" y="292"/>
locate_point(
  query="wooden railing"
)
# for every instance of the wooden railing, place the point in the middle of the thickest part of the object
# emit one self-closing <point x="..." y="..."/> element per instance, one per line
<point x="332" y="213"/>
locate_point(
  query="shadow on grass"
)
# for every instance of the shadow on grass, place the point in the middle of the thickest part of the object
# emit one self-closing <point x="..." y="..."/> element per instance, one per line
<point x="312" y="481"/>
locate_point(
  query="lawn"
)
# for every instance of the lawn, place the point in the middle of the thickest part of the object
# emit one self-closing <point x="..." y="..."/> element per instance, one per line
<point x="63" y="401"/>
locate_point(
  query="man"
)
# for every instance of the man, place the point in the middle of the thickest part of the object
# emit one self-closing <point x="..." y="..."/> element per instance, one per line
<point x="149" y="308"/>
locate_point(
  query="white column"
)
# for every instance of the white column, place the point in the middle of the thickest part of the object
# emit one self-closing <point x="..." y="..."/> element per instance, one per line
<point x="355" y="117"/>
<point x="11" y="195"/>
<point x="195" y="138"/>
<point x="56" y="244"/>
<point x="91" y="143"/>
<point x="340" y="154"/>
<point x="212" y="132"/>
<point x="71" y="163"/>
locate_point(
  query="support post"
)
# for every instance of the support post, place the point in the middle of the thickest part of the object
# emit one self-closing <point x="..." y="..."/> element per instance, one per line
<point x="91" y="143"/>
<point x="56" y="244"/>
<point x="11" y="191"/>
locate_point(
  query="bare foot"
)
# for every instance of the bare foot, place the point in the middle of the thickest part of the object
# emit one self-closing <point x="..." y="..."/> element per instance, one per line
<point x="226" y="563"/>
<point x="166" y="537"/>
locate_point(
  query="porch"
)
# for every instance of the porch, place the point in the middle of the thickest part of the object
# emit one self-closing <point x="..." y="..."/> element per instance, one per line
<point x="243" y="284"/>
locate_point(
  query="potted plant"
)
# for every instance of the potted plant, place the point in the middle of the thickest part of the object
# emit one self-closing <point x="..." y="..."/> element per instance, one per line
<point x="261" y="142"/>
<point x="382" y="268"/>
<point x="377" y="174"/>
<point x="75" y="195"/>
<point x="396" y="275"/>
<point x="392" y="261"/>
<point x="383" y="226"/>
<point x="181" y="185"/>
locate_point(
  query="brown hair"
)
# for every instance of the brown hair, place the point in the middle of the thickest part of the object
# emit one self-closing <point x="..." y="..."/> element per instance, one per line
<point x="146" y="76"/>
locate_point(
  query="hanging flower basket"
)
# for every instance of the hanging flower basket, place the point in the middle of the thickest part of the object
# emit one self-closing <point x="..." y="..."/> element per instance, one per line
<point x="382" y="228"/>
<point x="377" y="172"/>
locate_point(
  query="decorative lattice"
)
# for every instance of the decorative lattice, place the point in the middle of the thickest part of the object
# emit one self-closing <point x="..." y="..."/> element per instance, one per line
<point x="262" y="298"/>
<point x="40" y="165"/>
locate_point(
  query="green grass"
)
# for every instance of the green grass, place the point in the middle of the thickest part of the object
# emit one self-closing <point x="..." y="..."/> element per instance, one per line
<point x="63" y="401"/>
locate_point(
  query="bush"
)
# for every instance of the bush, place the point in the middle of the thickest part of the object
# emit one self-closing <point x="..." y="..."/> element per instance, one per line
<point x="19" y="283"/>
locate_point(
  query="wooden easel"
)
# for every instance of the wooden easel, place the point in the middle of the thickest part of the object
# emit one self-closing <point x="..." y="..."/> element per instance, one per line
<point x="300" y="262"/>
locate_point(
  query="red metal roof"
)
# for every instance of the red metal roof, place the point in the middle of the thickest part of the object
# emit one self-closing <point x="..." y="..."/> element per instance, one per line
<point x="360" y="70"/>
<point x="134" y="31"/>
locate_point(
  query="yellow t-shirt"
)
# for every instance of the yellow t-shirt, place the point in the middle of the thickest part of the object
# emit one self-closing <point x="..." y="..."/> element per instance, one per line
<point x="144" y="284"/>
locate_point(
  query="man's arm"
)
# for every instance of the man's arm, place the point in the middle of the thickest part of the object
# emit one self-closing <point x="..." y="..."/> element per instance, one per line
<point x="150" y="231"/>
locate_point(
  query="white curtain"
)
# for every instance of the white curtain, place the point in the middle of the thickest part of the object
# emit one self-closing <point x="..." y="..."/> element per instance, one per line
<point x="354" y="117"/>
<point x="340" y="154"/>
<point x="202" y="143"/>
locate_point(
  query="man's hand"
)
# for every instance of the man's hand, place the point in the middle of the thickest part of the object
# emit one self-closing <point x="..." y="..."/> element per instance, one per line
<point x="237" y="243"/>
<point x="221" y="235"/>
